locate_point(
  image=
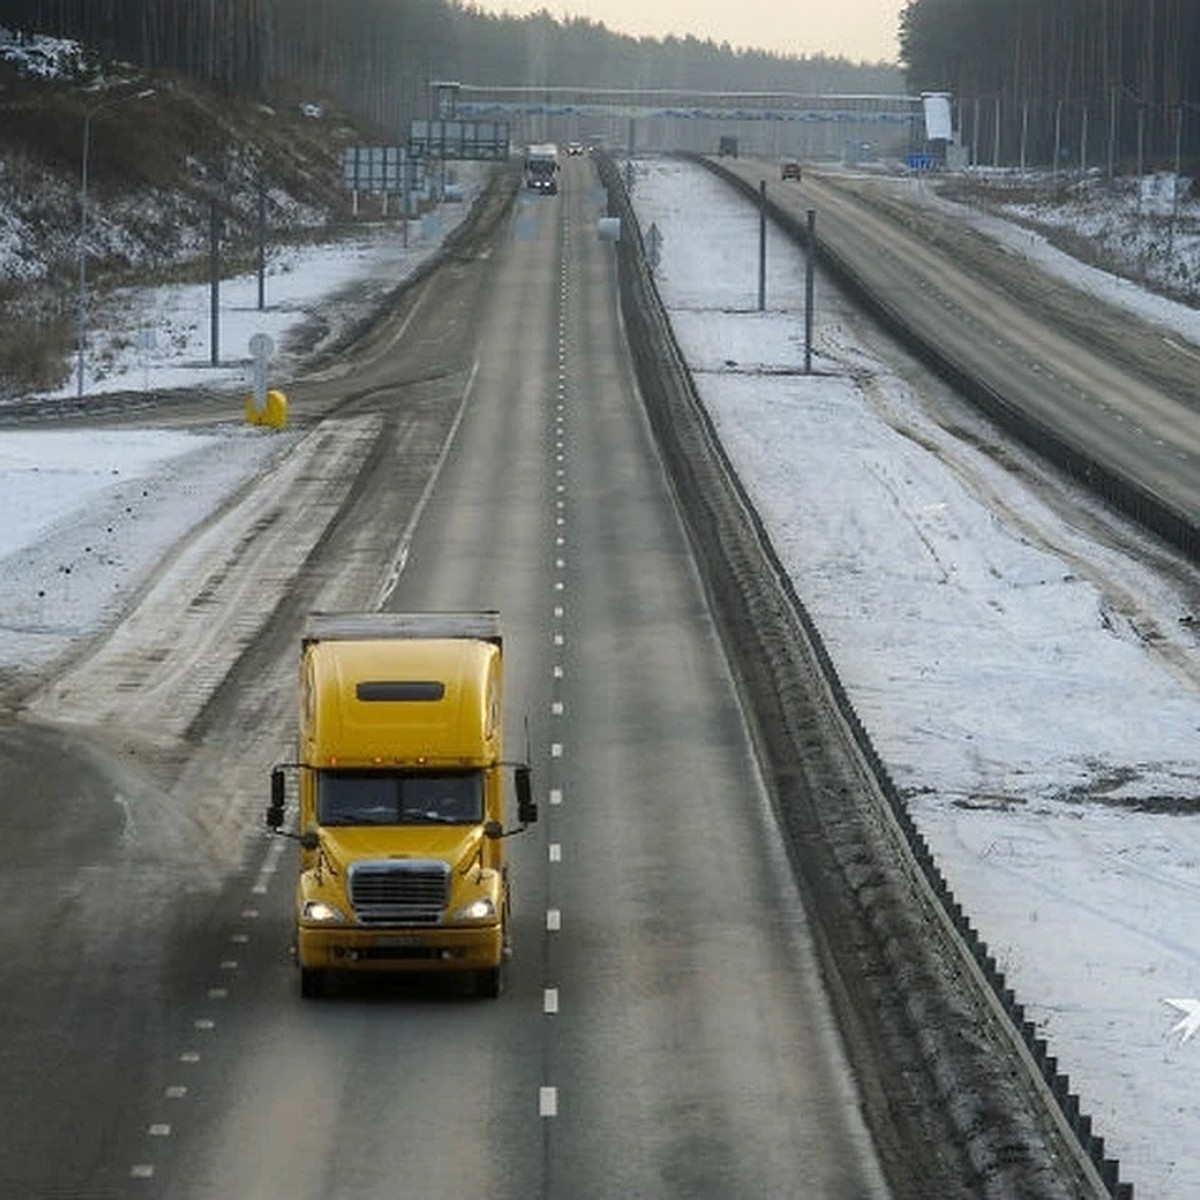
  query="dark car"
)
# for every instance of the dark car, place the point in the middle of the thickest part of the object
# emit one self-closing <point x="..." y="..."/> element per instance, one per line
<point x="790" y="170"/>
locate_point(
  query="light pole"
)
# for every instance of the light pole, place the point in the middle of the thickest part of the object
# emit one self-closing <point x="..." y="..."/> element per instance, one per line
<point x="81" y="303"/>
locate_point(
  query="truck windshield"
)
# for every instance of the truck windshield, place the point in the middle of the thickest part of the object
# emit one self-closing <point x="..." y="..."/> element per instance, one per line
<point x="386" y="798"/>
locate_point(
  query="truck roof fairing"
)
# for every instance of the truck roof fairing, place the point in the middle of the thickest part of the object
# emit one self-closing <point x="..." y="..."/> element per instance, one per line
<point x="415" y="702"/>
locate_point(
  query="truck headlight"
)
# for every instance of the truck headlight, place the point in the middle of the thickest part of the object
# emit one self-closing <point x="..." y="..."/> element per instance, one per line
<point x="478" y="910"/>
<point x="321" y="910"/>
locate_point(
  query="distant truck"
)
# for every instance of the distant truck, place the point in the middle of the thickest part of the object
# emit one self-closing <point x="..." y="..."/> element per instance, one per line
<point x="541" y="168"/>
<point x="401" y="798"/>
<point x="790" y="170"/>
<point x="727" y="147"/>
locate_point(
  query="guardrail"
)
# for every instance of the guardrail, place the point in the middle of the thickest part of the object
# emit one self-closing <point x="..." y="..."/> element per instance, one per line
<point x="667" y="384"/>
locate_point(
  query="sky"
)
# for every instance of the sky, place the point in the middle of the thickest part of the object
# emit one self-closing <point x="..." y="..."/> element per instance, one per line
<point x="859" y="30"/>
<point x="979" y="636"/>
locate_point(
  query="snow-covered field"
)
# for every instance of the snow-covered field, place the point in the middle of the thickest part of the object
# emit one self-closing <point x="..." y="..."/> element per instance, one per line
<point x="144" y="339"/>
<point x="1035" y="694"/>
<point x="998" y="657"/>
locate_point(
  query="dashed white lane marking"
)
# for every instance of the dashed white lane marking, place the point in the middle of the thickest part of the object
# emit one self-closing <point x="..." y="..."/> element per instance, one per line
<point x="555" y="851"/>
<point x="556" y="795"/>
<point x="204" y="1023"/>
<point x="548" y="1102"/>
<point x="559" y="639"/>
<point x="553" y="919"/>
<point x="159" y="1129"/>
<point x="269" y="866"/>
<point x="550" y="1000"/>
<point x="175" y="1092"/>
<point x="556" y="709"/>
<point x="556" y="750"/>
<point x="218" y="993"/>
<point x="142" y="1171"/>
<point x="558" y="610"/>
<point x="190" y="1056"/>
<point x="558" y="672"/>
<point x="229" y="964"/>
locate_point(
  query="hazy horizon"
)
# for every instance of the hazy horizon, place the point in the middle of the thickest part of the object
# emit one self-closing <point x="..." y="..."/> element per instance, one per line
<point x="858" y="30"/>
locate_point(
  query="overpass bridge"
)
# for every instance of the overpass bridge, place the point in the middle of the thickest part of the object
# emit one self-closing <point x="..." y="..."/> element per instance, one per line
<point x="783" y="124"/>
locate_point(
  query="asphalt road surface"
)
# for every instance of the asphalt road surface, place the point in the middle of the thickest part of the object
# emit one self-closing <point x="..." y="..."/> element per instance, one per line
<point x="664" y="1032"/>
<point x="1120" y="389"/>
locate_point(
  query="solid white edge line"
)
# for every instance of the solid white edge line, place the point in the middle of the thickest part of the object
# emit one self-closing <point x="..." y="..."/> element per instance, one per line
<point x="400" y="558"/>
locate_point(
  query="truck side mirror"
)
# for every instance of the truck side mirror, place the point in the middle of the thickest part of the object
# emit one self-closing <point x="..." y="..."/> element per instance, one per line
<point x="278" y="794"/>
<point x="527" y="812"/>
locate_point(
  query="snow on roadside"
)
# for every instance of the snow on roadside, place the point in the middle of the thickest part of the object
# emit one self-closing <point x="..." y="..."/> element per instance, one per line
<point x="153" y="339"/>
<point x="1047" y="747"/>
<point x="1119" y="220"/>
<point x="90" y="515"/>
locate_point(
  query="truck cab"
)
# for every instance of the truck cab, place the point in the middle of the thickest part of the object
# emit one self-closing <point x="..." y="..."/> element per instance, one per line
<point x="400" y="798"/>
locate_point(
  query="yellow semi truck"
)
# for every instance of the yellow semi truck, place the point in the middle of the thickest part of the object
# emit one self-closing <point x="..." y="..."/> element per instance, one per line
<point x="401" y="798"/>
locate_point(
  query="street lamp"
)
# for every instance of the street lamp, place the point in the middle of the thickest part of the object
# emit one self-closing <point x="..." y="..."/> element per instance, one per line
<point x="81" y="305"/>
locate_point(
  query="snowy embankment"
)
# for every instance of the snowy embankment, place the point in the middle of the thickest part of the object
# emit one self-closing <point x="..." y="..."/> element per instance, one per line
<point x="1036" y="694"/>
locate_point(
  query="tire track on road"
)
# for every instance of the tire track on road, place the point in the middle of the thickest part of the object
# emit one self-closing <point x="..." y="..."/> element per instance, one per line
<point x="159" y="666"/>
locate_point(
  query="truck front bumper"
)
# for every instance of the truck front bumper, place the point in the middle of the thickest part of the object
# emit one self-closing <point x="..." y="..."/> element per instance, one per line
<point x="351" y="948"/>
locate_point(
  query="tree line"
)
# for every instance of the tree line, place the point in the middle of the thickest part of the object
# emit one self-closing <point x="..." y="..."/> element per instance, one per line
<point x="377" y="57"/>
<point x="1077" y="82"/>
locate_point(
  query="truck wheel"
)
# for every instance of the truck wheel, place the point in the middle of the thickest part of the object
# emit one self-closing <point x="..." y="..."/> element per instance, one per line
<point x="312" y="982"/>
<point x="489" y="983"/>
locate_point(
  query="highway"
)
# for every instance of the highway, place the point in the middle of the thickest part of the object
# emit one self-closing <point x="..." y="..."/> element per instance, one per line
<point x="665" y="1031"/>
<point x="1118" y="388"/>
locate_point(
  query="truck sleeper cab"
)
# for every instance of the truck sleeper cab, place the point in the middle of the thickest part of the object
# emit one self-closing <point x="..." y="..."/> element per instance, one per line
<point x="541" y="169"/>
<point x="400" y="798"/>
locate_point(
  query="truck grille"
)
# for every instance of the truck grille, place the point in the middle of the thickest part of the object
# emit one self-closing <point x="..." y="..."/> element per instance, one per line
<point x="409" y="891"/>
